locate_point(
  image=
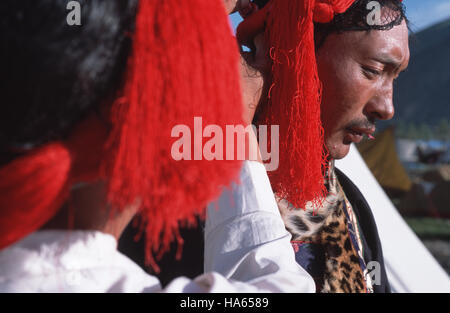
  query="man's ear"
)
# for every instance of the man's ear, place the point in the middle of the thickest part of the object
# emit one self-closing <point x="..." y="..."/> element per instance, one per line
<point x="231" y="6"/>
<point x="251" y="26"/>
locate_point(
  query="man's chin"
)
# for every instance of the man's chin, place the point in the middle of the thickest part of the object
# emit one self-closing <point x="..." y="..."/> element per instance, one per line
<point x="338" y="151"/>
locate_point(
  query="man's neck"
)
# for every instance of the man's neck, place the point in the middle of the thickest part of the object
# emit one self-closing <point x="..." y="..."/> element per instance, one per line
<point x="86" y="209"/>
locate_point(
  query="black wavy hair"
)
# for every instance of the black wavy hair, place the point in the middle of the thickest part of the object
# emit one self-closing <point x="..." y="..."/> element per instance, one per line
<point x="53" y="74"/>
<point x="355" y="19"/>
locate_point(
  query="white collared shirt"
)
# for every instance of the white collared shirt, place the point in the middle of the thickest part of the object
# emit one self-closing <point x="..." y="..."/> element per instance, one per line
<point x="247" y="249"/>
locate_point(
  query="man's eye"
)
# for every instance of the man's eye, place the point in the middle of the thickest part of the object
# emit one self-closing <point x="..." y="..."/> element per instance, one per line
<point x="370" y="72"/>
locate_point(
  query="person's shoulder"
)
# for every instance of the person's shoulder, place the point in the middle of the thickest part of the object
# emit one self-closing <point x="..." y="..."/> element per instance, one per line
<point x="353" y="194"/>
<point x="71" y="261"/>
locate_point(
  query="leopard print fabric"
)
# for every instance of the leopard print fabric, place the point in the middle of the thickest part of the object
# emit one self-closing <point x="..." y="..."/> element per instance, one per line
<point x="326" y="228"/>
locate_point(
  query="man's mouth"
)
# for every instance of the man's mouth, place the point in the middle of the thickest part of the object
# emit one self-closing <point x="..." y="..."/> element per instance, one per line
<point x="356" y="134"/>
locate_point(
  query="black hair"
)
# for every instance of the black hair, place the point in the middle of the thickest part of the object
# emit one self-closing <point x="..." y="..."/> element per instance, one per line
<point x="53" y="74"/>
<point x="355" y="19"/>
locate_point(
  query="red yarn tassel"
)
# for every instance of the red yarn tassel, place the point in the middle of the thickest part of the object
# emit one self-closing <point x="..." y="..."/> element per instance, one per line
<point x="295" y="94"/>
<point x="295" y="98"/>
<point x="184" y="64"/>
<point x="32" y="189"/>
<point x="34" y="186"/>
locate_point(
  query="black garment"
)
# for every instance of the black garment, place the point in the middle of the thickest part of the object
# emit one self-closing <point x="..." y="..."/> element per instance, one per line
<point x="368" y="229"/>
<point x="191" y="263"/>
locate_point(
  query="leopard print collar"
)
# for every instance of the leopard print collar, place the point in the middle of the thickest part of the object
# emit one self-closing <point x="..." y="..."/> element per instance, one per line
<point x="322" y="241"/>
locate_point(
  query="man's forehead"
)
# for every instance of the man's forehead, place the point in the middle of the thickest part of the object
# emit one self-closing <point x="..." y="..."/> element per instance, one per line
<point x="391" y="46"/>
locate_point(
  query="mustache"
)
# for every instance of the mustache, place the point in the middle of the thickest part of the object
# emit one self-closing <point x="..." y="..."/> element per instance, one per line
<point x="362" y="123"/>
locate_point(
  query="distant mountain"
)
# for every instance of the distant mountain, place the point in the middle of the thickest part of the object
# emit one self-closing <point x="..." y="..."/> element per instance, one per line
<point x="422" y="92"/>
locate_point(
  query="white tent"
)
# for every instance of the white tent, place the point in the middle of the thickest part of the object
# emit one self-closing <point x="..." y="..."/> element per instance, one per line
<point x="407" y="150"/>
<point x="410" y="267"/>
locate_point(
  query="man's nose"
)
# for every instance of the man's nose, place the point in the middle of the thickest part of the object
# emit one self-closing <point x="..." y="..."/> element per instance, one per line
<point x="381" y="106"/>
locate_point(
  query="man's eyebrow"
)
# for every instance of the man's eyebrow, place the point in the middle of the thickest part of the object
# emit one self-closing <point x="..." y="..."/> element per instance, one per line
<point x="390" y="61"/>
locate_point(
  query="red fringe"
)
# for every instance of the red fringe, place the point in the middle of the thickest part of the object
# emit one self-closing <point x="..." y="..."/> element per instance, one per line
<point x="295" y="97"/>
<point x="295" y="103"/>
<point x="32" y="189"/>
<point x="184" y="65"/>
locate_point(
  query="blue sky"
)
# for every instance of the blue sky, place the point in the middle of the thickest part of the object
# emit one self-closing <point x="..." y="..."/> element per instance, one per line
<point x="422" y="13"/>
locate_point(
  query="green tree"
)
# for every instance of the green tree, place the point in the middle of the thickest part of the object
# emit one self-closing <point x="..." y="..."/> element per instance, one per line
<point x="425" y="132"/>
<point x="412" y="132"/>
<point x="443" y="130"/>
<point x="401" y="129"/>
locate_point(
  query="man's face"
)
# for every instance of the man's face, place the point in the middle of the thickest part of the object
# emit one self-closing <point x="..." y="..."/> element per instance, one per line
<point x="357" y="70"/>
